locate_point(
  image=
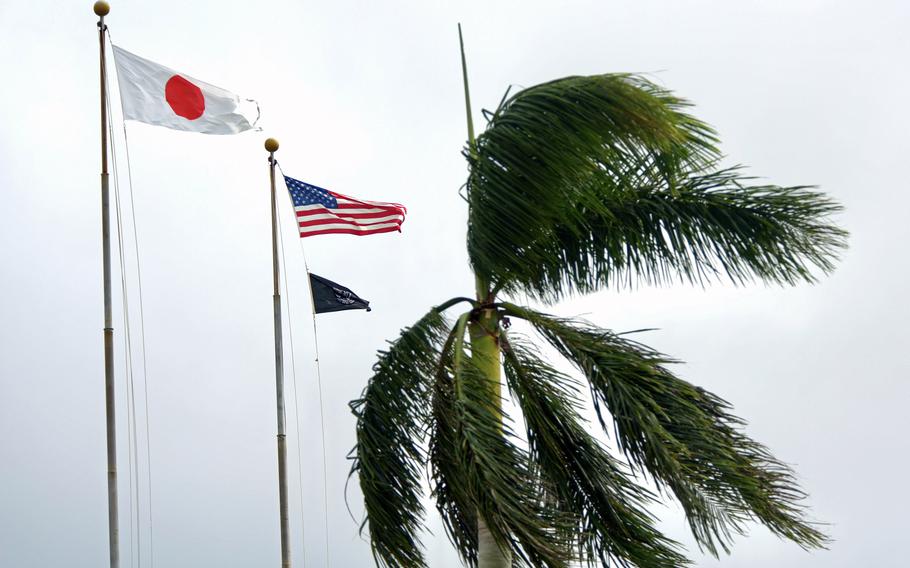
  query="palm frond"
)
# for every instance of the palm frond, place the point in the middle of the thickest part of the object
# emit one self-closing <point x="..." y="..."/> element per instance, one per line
<point x="684" y="436"/>
<point x="454" y="499"/>
<point x="391" y="425"/>
<point x="478" y="471"/>
<point x="613" y="525"/>
<point x="588" y="182"/>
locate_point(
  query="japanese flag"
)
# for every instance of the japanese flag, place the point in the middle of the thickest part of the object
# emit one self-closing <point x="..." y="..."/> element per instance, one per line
<point x="157" y="95"/>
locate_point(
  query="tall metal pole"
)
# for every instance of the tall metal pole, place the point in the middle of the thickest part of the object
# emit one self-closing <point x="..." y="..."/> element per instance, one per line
<point x="101" y="10"/>
<point x="271" y="145"/>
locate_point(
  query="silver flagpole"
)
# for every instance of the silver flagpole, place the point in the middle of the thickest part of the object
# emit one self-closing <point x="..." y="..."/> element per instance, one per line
<point x="271" y="145"/>
<point x="101" y="10"/>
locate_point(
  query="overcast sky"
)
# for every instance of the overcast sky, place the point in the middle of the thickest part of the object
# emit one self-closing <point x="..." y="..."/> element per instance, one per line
<point x="366" y="99"/>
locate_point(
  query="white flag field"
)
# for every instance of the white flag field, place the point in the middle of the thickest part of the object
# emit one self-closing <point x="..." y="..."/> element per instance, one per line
<point x="155" y="94"/>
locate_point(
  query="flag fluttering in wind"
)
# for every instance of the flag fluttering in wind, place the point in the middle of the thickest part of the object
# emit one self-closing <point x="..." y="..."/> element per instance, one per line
<point x="154" y="94"/>
<point x="320" y="212"/>
<point x="329" y="296"/>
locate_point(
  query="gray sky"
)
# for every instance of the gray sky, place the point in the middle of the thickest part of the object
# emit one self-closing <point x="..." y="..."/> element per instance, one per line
<point x="366" y="100"/>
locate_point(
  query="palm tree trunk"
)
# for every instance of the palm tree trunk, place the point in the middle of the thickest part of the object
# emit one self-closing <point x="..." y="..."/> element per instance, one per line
<point x="485" y="350"/>
<point x="489" y="555"/>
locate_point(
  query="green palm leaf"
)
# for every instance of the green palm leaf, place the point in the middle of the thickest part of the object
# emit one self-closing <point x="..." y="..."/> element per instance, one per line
<point x="682" y="435"/>
<point x="391" y="424"/>
<point x="587" y="182"/>
<point x="612" y="524"/>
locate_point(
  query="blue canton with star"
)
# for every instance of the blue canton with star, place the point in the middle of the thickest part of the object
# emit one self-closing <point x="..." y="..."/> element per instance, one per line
<point x="306" y="194"/>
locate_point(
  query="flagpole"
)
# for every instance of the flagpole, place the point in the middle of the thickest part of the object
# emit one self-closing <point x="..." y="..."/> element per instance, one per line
<point x="102" y="9"/>
<point x="271" y="145"/>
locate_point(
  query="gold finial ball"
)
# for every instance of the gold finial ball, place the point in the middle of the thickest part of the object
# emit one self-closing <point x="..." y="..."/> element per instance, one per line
<point x="271" y="144"/>
<point x="102" y="8"/>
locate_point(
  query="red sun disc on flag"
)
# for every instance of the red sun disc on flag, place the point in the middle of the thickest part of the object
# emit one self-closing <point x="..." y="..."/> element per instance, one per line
<point x="185" y="98"/>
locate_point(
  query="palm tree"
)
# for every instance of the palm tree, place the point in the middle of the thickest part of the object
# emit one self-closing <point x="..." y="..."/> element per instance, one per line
<point x="578" y="185"/>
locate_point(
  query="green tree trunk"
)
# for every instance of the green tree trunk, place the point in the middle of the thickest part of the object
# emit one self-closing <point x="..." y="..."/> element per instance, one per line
<point x="489" y="555"/>
<point x="485" y="351"/>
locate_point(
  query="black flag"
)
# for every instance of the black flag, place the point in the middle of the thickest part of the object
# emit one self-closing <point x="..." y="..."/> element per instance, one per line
<point x="331" y="297"/>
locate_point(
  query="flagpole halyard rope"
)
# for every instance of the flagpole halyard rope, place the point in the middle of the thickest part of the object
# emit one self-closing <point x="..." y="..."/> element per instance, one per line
<point x="132" y="443"/>
<point x="148" y="433"/>
<point x="128" y="339"/>
<point x="325" y="477"/>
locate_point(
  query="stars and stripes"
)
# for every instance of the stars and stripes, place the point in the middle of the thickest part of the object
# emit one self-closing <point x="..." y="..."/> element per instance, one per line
<point x="321" y="212"/>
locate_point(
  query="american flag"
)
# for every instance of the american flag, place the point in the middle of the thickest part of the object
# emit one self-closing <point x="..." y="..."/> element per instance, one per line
<point x="321" y="212"/>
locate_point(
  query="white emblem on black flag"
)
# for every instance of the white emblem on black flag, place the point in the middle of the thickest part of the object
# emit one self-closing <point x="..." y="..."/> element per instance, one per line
<point x="329" y="296"/>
